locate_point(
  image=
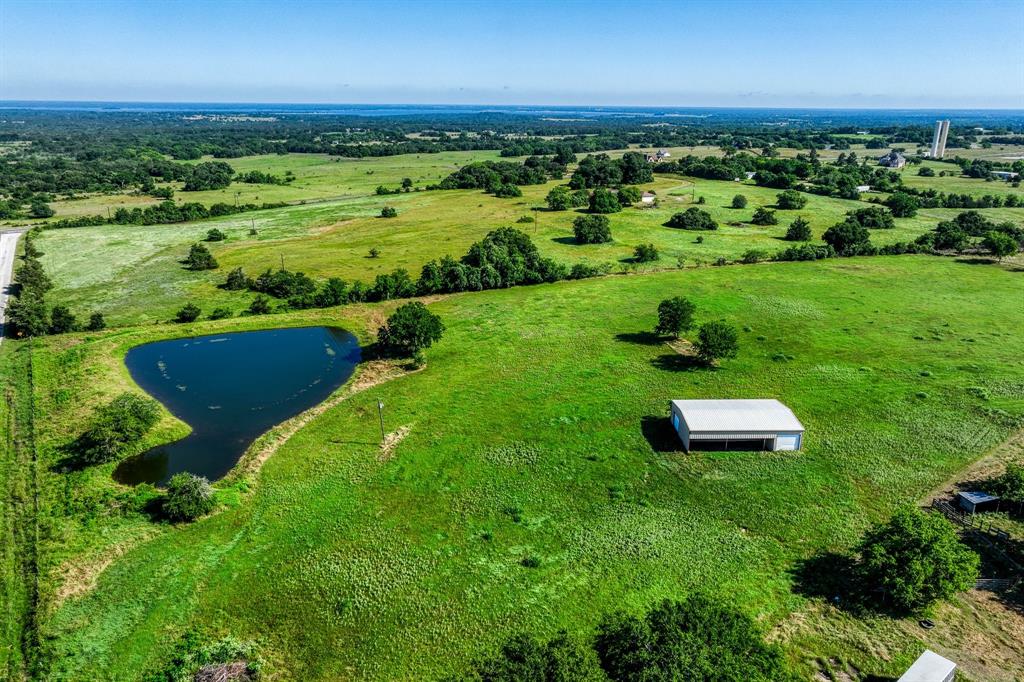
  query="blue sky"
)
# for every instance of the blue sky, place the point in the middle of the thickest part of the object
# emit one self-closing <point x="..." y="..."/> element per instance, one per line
<point x="726" y="53"/>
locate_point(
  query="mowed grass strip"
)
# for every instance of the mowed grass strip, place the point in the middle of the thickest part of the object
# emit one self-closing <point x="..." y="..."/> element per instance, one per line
<point x="538" y="429"/>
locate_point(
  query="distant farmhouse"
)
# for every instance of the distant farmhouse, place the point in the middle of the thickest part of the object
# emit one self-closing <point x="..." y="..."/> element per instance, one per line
<point x="648" y="198"/>
<point x="657" y="156"/>
<point x="892" y="160"/>
<point x="1005" y="175"/>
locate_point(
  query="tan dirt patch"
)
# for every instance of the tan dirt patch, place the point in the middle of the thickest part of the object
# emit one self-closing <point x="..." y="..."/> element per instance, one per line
<point x="391" y="441"/>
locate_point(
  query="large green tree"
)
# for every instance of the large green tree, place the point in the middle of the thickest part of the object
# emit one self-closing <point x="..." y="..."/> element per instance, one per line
<point x="692" y="218"/>
<point x="675" y="316"/>
<point x="693" y="640"/>
<point x="592" y="229"/>
<point x="409" y="330"/>
<point x="716" y="340"/>
<point x="915" y="559"/>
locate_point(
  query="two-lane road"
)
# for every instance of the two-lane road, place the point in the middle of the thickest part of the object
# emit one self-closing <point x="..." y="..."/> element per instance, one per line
<point x="8" y="245"/>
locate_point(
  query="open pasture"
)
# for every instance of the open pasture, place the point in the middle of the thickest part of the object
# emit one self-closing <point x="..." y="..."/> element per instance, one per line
<point x="538" y="430"/>
<point x="334" y="238"/>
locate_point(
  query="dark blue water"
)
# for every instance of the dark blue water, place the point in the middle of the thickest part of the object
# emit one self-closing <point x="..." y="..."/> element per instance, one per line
<point x="691" y="115"/>
<point x="231" y="388"/>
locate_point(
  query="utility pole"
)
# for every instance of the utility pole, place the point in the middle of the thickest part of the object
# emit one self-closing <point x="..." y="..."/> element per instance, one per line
<point x="380" y="414"/>
<point x="282" y="261"/>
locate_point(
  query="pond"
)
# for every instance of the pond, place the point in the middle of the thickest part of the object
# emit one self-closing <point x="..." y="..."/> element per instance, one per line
<point x="232" y="388"/>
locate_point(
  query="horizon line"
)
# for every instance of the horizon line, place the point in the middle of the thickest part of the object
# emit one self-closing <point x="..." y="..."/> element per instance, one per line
<point x="502" y="105"/>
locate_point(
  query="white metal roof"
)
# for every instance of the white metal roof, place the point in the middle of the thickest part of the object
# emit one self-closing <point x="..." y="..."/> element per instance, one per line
<point x="738" y="415"/>
<point x="929" y="667"/>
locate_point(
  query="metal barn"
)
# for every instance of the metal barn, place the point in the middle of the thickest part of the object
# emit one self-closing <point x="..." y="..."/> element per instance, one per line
<point x="930" y="667"/>
<point x="736" y="425"/>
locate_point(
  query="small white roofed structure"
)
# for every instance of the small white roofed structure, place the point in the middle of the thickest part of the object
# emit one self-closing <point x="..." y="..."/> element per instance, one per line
<point x="761" y="424"/>
<point x="975" y="500"/>
<point x="930" y="667"/>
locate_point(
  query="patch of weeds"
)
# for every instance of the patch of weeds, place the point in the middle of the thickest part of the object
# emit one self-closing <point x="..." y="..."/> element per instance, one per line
<point x="978" y="392"/>
<point x="513" y="454"/>
<point x="513" y="512"/>
<point x="782" y="357"/>
<point x="530" y="561"/>
<point x="616" y="493"/>
<point x="921" y="394"/>
<point x="925" y="373"/>
<point x="747" y="328"/>
<point x="762" y="338"/>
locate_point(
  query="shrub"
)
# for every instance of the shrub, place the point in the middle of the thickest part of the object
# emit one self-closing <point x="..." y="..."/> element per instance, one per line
<point x="189" y="313"/>
<point x="629" y="195"/>
<point x="559" y="199"/>
<point x="790" y="200"/>
<point x="798" y="231"/>
<point x="693" y="639"/>
<point x="409" y="330"/>
<point x="604" y="201"/>
<point x="188" y="497"/>
<point x="903" y="205"/>
<point x="645" y="253"/>
<point x="215" y="235"/>
<point x="916" y="559"/>
<point x="200" y="258"/>
<point x="116" y="426"/>
<point x="96" y="323"/>
<point x="692" y="218"/>
<point x="40" y="209"/>
<point x="872" y="217"/>
<point x="220" y="313"/>
<point x="751" y="256"/>
<point x="764" y="216"/>
<point x="374" y="252"/>
<point x="523" y="658"/>
<point x="739" y="201"/>
<point x="998" y="244"/>
<point x="592" y="229"/>
<point x="926" y="172"/>
<point x="507" y="191"/>
<point x="716" y="340"/>
<point x="62" y="320"/>
<point x="236" y="281"/>
<point x="389" y="212"/>
<point x="260" y="305"/>
<point x="675" y="316"/>
<point x="848" y="238"/>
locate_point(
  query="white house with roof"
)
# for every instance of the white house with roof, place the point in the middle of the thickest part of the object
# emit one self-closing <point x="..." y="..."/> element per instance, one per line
<point x="648" y="198"/>
<point x="736" y="424"/>
<point x="892" y="160"/>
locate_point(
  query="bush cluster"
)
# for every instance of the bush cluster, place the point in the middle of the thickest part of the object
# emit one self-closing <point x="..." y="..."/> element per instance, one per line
<point x="115" y="427"/>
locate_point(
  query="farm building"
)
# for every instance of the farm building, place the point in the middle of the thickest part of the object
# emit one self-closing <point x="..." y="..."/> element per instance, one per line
<point x="736" y="425"/>
<point x="648" y="198"/>
<point x="930" y="667"/>
<point x="863" y="188"/>
<point x="976" y="501"/>
<point x="1005" y="175"/>
<point x="892" y="160"/>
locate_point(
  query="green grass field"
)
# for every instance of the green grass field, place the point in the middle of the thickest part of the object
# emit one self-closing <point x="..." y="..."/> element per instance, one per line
<point x="538" y="428"/>
<point x="132" y="273"/>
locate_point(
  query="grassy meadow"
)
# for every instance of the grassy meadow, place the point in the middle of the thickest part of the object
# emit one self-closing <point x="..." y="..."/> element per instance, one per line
<point x="132" y="273"/>
<point x="538" y="429"/>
